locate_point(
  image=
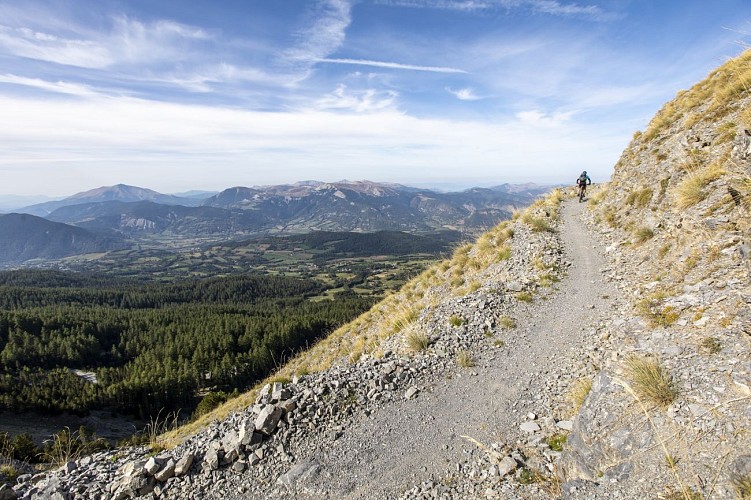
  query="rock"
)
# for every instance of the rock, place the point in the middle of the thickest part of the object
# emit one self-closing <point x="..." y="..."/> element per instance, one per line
<point x="411" y="392"/>
<point x="69" y="467"/>
<point x="299" y="472"/>
<point x="506" y="466"/>
<point x="211" y="459"/>
<point x="153" y="465"/>
<point x="166" y="472"/>
<point x="565" y="425"/>
<point x="268" y="419"/>
<point x="183" y="465"/>
<point x="529" y="427"/>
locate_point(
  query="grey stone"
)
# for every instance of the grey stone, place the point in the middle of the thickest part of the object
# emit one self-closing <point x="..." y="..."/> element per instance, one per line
<point x="411" y="392"/>
<point x="152" y="465"/>
<point x="211" y="459"/>
<point x="268" y="419"/>
<point x="565" y="425"/>
<point x="506" y="466"/>
<point x="166" y="472"/>
<point x="183" y="465"/>
<point x="529" y="427"/>
<point x="299" y="473"/>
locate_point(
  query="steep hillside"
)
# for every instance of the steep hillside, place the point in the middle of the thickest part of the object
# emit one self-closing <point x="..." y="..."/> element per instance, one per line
<point x="26" y="237"/>
<point x="671" y="404"/>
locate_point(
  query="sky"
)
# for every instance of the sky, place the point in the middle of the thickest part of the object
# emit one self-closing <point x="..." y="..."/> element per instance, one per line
<point x="206" y="95"/>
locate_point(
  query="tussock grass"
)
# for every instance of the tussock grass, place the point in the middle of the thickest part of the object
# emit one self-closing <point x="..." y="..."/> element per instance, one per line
<point x="710" y="345"/>
<point x="455" y="320"/>
<point x="578" y="393"/>
<point x="643" y="234"/>
<point x="464" y="359"/>
<point x="639" y="198"/>
<point x="524" y="297"/>
<point x="650" y="380"/>
<point x="536" y="224"/>
<point x="507" y="322"/>
<point x="742" y="486"/>
<point x="416" y="340"/>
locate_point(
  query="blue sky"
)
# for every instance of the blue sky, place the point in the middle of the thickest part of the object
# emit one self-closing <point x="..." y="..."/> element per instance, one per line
<point x="177" y="95"/>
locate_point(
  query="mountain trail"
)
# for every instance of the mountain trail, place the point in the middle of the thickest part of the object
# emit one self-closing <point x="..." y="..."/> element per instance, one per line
<point x="422" y="440"/>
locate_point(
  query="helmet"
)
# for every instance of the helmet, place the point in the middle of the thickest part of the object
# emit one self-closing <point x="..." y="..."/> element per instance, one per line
<point x="585" y="172"/>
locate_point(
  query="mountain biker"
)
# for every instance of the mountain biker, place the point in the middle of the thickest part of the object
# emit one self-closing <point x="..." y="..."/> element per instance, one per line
<point x="583" y="181"/>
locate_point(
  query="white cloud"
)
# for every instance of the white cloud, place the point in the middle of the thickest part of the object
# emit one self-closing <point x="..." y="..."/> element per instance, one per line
<point x="392" y="65"/>
<point x="366" y="101"/>
<point x="550" y="7"/>
<point x="464" y="94"/>
<point x="325" y="32"/>
<point x="539" y="119"/>
<point x="31" y="44"/>
<point x="57" y="87"/>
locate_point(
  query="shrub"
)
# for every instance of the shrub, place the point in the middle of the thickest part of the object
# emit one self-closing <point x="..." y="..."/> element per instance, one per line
<point x="556" y="441"/>
<point x="209" y="402"/>
<point x="650" y="381"/>
<point x="24" y="448"/>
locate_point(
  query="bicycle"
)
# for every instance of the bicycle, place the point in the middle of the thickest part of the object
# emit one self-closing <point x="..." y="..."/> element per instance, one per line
<point x="582" y="192"/>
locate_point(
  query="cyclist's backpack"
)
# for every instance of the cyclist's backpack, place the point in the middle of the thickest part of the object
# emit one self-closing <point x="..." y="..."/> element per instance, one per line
<point x="581" y="180"/>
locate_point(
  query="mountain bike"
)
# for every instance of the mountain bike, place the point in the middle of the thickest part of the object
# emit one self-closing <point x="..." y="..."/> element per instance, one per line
<point x="582" y="192"/>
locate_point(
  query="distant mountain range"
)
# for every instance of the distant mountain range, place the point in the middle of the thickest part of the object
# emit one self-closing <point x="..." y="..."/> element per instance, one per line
<point x="115" y="215"/>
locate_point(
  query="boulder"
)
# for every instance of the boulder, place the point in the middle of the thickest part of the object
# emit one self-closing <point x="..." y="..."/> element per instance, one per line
<point x="268" y="419"/>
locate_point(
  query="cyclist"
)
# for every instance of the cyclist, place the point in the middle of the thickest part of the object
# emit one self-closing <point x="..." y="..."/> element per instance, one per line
<point x="583" y="181"/>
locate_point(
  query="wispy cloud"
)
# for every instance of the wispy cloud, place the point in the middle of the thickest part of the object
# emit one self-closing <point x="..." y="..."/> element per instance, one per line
<point x="56" y="87"/>
<point x="550" y="7"/>
<point x="31" y="44"/>
<point x="324" y="33"/>
<point x="366" y="101"/>
<point x="391" y="65"/>
<point x="539" y="119"/>
<point x="464" y="94"/>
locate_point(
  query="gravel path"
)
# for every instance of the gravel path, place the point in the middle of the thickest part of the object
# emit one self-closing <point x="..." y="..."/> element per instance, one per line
<point x="411" y="442"/>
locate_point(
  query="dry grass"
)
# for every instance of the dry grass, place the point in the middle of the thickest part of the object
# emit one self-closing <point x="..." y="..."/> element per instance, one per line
<point x="507" y="322"/>
<point x="643" y="234"/>
<point x="416" y="340"/>
<point x="578" y="393"/>
<point x="464" y="359"/>
<point x="650" y="380"/>
<point x="639" y="198"/>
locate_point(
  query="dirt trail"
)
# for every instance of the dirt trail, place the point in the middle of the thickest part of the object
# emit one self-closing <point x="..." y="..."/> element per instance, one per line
<point x="413" y="441"/>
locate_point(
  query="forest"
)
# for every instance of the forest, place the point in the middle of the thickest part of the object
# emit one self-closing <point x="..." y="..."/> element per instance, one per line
<point x="151" y="345"/>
